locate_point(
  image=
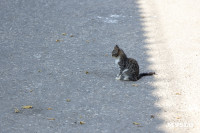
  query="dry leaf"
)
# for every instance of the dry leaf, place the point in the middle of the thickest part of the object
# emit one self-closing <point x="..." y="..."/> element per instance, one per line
<point x="106" y="54"/>
<point x="134" y="85"/>
<point x="71" y="35"/>
<point x="49" y="108"/>
<point x="27" y="107"/>
<point x="81" y="122"/>
<point x="16" y="110"/>
<point x="86" y="72"/>
<point x="64" y="34"/>
<point x="135" y="123"/>
<point x="68" y="100"/>
<point x="57" y="40"/>
<point x="178" y="93"/>
<point x="87" y="41"/>
<point x="178" y="117"/>
<point x="31" y="90"/>
<point x="51" y="118"/>
<point x="39" y="71"/>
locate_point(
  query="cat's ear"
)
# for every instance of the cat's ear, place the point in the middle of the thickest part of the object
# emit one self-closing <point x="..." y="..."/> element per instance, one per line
<point x="116" y="46"/>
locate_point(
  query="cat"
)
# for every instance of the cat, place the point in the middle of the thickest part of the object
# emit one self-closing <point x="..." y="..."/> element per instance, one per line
<point x="129" y="68"/>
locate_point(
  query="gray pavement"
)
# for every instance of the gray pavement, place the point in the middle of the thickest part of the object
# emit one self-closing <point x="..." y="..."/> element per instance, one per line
<point x="37" y="70"/>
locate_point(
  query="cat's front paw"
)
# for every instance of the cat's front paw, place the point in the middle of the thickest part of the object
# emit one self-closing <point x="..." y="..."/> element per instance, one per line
<point x="118" y="77"/>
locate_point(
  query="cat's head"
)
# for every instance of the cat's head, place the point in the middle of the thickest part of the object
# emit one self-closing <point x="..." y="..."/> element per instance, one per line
<point x="116" y="51"/>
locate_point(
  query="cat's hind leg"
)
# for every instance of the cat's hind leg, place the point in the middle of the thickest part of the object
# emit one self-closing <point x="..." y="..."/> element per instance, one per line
<point x="133" y="78"/>
<point x="125" y="75"/>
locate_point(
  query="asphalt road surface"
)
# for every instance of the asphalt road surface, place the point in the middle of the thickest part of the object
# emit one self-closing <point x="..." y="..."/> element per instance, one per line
<point x="56" y="57"/>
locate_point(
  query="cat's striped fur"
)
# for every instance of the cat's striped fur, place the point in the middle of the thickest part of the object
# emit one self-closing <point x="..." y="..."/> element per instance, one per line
<point x="129" y="68"/>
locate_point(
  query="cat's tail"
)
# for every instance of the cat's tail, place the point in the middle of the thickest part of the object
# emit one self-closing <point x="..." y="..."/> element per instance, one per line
<point x="145" y="74"/>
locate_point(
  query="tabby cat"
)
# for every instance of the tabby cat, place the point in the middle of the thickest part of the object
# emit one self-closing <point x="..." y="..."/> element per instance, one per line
<point x="129" y="68"/>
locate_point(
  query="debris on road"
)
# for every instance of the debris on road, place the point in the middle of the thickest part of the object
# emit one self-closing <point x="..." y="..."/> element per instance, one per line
<point x="17" y="110"/>
<point x="27" y="107"/>
<point x="86" y="72"/>
<point x="81" y="122"/>
<point x="68" y="100"/>
<point x="64" y="34"/>
<point x="135" y="85"/>
<point x="135" y="123"/>
<point x="51" y="118"/>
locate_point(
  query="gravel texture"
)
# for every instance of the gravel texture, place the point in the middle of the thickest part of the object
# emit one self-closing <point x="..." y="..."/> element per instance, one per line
<point x="69" y="79"/>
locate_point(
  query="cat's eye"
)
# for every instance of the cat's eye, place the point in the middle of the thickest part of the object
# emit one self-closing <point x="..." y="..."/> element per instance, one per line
<point x="114" y="52"/>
